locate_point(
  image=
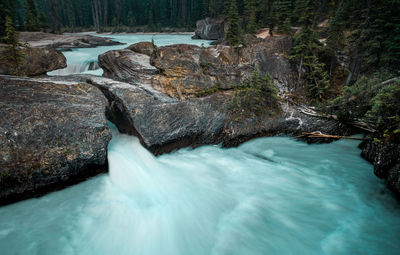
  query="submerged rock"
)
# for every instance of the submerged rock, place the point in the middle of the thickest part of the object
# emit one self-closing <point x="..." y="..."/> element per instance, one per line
<point x="210" y="29"/>
<point x="37" y="61"/>
<point x="51" y="135"/>
<point x="386" y="160"/>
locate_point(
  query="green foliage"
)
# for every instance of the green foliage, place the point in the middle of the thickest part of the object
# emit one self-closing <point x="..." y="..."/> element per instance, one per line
<point x="316" y="79"/>
<point x="31" y="22"/>
<point x="305" y="51"/>
<point x="42" y="20"/>
<point x="370" y="101"/>
<point x="336" y="39"/>
<point x="252" y="26"/>
<point x="385" y="109"/>
<point x="283" y="14"/>
<point x="7" y="9"/>
<point x="206" y="92"/>
<point x="234" y="33"/>
<point x="206" y="66"/>
<point x="13" y="53"/>
<point x="256" y="97"/>
<point x="373" y="41"/>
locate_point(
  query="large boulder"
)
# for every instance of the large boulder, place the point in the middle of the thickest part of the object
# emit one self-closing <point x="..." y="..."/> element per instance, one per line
<point x="187" y="70"/>
<point x="36" y="61"/>
<point x="147" y="48"/>
<point x="51" y="135"/>
<point x="164" y="124"/>
<point x="127" y="65"/>
<point x="210" y="29"/>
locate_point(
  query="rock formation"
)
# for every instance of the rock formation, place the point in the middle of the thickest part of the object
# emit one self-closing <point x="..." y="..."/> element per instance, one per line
<point x="64" y="41"/>
<point x="51" y="135"/>
<point x="127" y="65"/>
<point x="386" y="160"/>
<point x="210" y="29"/>
<point x="37" y="61"/>
<point x="186" y="70"/>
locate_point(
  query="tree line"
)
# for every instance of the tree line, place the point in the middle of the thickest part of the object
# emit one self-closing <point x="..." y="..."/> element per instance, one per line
<point x="97" y="14"/>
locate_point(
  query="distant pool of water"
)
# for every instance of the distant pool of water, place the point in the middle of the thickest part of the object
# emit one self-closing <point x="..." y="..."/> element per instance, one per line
<point x="268" y="196"/>
<point x="78" y="60"/>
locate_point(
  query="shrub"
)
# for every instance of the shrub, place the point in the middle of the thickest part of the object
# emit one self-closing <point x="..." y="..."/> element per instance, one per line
<point x="369" y="100"/>
<point x="255" y="97"/>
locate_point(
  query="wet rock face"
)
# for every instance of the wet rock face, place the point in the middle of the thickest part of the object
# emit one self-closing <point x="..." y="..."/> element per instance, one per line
<point x="386" y="160"/>
<point x="37" y="61"/>
<point x="51" y="135"/>
<point x="164" y="124"/>
<point x="210" y="29"/>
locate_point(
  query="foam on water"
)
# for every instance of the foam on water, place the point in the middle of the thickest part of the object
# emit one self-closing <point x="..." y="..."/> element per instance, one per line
<point x="268" y="196"/>
<point x="78" y="60"/>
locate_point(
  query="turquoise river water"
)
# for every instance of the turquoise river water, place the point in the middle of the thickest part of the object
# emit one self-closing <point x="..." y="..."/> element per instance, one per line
<point x="268" y="196"/>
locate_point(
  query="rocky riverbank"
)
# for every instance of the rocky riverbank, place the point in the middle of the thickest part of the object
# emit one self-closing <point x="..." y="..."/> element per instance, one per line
<point x="54" y="129"/>
<point x="64" y="41"/>
<point x="386" y="160"/>
<point x="43" y="54"/>
<point x="37" y="61"/>
<point x="51" y="135"/>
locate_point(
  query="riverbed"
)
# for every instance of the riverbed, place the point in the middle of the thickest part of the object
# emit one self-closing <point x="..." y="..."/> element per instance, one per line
<point x="271" y="195"/>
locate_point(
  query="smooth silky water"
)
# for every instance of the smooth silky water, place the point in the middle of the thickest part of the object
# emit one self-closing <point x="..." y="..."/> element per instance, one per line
<point x="268" y="196"/>
<point x="78" y="60"/>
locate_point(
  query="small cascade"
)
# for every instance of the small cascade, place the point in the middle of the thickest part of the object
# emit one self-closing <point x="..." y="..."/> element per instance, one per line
<point x="268" y="196"/>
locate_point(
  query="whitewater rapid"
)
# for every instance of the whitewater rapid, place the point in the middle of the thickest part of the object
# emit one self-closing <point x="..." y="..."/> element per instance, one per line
<point x="268" y="196"/>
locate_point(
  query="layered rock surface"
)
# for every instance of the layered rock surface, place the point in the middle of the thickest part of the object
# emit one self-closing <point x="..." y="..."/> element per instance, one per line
<point x="51" y="135"/>
<point x="186" y="70"/>
<point x="164" y="124"/>
<point x="127" y="65"/>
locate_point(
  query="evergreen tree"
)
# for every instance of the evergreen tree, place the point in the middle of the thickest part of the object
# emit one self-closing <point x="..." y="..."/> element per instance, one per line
<point x="31" y="23"/>
<point x="8" y="9"/>
<point x="13" y="54"/>
<point x="250" y="16"/>
<point x="42" y="19"/>
<point x="336" y="38"/>
<point x="234" y="34"/>
<point x="305" y="51"/>
<point x="252" y="26"/>
<point x="373" y="42"/>
<point x="299" y="9"/>
<point x="257" y="96"/>
<point x="150" y="23"/>
<point x="282" y="13"/>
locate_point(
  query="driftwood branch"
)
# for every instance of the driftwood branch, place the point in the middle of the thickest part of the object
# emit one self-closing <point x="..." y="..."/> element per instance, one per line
<point x="389" y="81"/>
<point x="356" y="123"/>
<point x="319" y="134"/>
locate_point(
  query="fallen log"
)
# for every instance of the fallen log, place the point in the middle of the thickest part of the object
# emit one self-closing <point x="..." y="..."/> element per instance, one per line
<point x="319" y="134"/>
